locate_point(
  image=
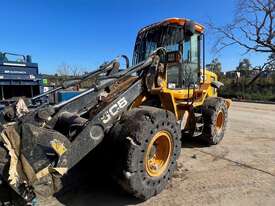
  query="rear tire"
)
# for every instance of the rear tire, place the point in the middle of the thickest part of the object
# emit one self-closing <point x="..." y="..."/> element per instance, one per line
<point x="147" y="147"/>
<point x="215" y="117"/>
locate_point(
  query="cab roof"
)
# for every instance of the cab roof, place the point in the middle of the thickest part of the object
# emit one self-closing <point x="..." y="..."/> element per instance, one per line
<point x="179" y="21"/>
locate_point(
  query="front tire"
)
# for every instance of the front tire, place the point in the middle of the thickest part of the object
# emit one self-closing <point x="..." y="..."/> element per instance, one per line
<point x="148" y="144"/>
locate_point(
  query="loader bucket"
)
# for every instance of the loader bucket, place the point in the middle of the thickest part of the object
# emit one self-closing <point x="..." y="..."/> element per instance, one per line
<point x="32" y="153"/>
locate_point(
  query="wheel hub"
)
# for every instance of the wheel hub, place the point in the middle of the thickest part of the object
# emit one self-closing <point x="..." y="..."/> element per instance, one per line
<point x="158" y="153"/>
<point x="219" y="121"/>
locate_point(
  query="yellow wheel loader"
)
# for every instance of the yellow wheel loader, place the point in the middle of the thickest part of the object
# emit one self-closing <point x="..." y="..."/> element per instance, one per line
<point x="145" y="109"/>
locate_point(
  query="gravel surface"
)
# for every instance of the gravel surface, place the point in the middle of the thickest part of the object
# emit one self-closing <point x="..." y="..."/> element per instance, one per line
<point x="238" y="171"/>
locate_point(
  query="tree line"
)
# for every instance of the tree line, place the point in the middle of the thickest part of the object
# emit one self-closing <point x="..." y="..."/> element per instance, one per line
<point x="253" y="30"/>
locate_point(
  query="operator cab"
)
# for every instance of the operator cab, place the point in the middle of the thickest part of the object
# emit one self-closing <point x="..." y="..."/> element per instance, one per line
<point x="182" y="40"/>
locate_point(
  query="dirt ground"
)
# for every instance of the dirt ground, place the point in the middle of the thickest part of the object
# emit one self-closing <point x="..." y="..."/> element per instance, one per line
<point x="238" y="171"/>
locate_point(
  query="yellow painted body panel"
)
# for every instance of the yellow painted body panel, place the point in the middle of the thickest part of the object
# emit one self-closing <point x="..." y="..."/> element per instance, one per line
<point x="180" y="100"/>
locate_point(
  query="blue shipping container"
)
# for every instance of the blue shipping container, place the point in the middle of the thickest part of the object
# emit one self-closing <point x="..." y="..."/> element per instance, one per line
<point x="66" y="95"/>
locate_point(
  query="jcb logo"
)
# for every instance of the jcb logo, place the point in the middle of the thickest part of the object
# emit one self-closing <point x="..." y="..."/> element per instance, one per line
<point x="113" y="110"/>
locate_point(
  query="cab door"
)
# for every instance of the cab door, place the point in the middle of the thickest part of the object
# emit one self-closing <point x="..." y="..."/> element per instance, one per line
<point x="182" y="77"/>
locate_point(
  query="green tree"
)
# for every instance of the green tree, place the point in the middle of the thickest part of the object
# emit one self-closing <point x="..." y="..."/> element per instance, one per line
<point x="244" y="65"/>
<point x="270" y="64"/>
<point x="215" y="66"/>
<point x="273" y="77"/>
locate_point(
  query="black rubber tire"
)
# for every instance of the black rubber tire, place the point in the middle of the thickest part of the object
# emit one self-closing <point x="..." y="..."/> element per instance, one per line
<point x="131" y="135"/>
<point x="211" y="108"/>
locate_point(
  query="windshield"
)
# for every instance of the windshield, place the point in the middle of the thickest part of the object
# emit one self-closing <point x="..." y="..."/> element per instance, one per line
<point x="164" y="36"/>
<point x="173" y="39"/>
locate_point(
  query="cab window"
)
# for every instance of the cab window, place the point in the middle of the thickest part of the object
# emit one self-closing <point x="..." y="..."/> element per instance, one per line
<point x="185" y="74"/>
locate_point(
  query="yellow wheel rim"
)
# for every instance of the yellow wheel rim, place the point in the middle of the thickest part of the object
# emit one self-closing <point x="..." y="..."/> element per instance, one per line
<point x="158" y="153"/>
<point x="220" y="121"/>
